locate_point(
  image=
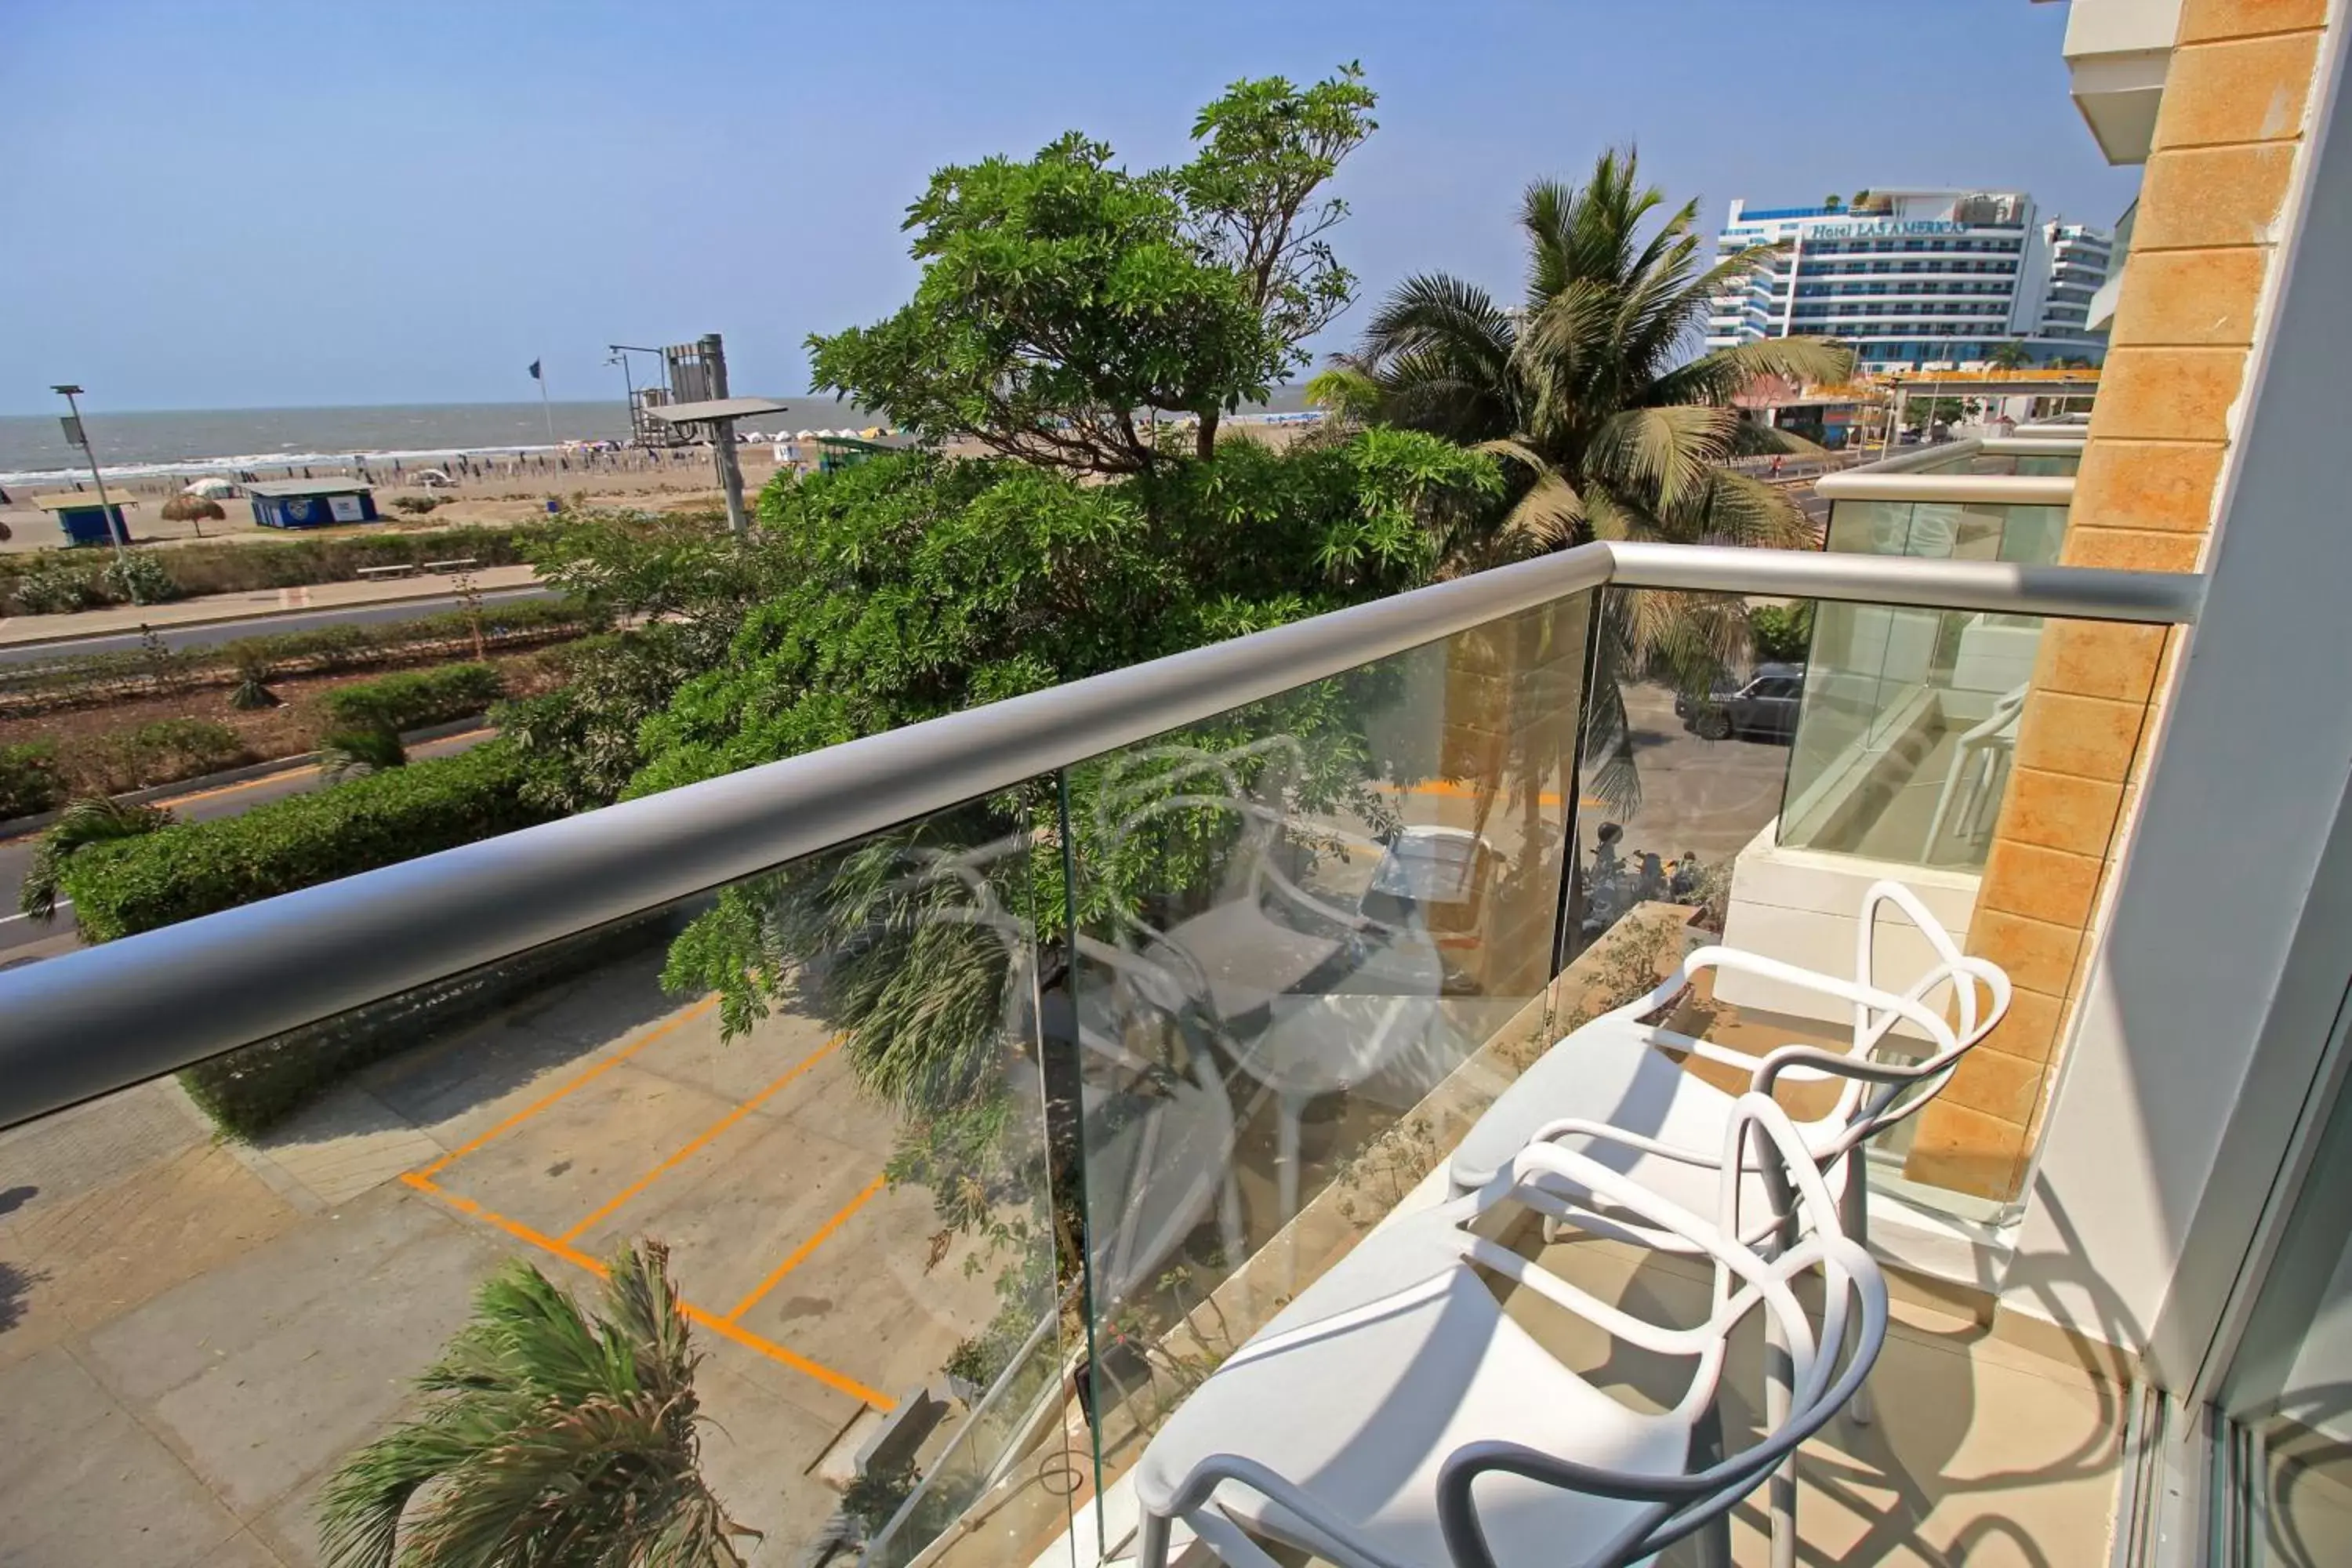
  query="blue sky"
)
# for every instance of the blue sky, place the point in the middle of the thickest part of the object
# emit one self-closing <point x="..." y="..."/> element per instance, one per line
<point x="219" y="205"/>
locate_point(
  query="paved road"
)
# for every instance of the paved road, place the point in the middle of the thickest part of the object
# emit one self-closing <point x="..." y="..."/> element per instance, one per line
<point x="18" y="932"/>
<point x="210" y="634"/>
<point x="1707" y="796"/>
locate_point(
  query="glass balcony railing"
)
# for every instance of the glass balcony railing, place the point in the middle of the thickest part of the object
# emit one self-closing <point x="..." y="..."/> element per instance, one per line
<point x="984" y="1084"/>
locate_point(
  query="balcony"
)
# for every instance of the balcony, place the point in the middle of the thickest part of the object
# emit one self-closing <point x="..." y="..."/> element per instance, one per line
<point x="993" y="1079"/>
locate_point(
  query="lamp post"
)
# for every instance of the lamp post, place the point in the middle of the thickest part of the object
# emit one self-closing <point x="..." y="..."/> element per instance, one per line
<point x="78" y="434"/>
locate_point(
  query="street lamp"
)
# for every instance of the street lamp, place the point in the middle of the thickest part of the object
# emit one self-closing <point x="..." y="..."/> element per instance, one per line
<point x="78" y="434"/>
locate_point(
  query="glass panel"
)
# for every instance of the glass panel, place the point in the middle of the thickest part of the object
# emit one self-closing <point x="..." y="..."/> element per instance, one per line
<point x="1315" y="936"/>
<point x="819" y="1088"/>
<point x="2291" y="1384"/>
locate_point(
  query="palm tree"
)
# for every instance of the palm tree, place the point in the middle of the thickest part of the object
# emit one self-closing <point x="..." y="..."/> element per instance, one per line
<point x="1593" y="390"/>
<point x="549" y="1439"/>
<point x="96" y="820"/>
<point x="2009" y="354"/>
<point x="355" y="753"/>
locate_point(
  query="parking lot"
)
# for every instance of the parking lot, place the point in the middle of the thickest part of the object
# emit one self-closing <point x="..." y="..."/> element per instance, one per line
<point x="194" y="1334"/>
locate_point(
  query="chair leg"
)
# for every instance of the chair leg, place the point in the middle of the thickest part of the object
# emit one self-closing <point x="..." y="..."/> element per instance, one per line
<point x="1711" y="1546"/>
<point x="1152" y="1541"/>
<point x="1854" y="1216"/>
<point x="1779" y="1376"/>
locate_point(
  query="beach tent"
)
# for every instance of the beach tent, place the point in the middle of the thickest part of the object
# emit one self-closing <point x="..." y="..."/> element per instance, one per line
<point x="210" y="489"/>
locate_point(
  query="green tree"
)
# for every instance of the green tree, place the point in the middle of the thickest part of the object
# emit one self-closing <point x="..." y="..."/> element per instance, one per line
<point x="548" y="1439"/>
<point x="2009" y="354"/>
<point x="99" y="819"/>
<point x="1063" y="295"/>
<point x="1590" y="392"/>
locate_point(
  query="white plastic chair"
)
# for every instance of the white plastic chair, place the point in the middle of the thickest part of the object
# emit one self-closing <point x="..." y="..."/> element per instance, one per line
<point x="1617" y="1081"/>
<point x="1395" y="1417"/>
<point x="1317" y="1002"/>
<point x="1978" y="771"/>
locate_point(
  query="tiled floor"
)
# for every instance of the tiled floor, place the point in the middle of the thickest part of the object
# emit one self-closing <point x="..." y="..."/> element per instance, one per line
<point x="1982" y="1453"/>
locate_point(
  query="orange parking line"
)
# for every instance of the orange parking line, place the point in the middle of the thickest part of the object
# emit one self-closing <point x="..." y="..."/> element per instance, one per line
<point x="841" y="1382"/>
<point x="535" y="1107"/>
<point x="800" y="1254"/>
<point x="514" y="1228"/>
<point x="702" y="1139"/>
<point x="798" y="1363"/>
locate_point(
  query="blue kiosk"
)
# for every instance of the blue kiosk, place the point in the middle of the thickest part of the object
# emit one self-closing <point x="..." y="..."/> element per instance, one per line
<point x="82" y="519"/>
<point x="312" y="503"/>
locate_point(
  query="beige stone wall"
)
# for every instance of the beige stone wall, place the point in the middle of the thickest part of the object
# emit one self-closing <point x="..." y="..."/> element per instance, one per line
<point x="2239" y="93"/>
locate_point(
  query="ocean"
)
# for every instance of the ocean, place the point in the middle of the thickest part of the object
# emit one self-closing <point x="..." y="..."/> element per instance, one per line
<point x="33" y="449"/>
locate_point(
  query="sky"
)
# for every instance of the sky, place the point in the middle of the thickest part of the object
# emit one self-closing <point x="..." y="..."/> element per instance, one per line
<point x="208" y="204"/>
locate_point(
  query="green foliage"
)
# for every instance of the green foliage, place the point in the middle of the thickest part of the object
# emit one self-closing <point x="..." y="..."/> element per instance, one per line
<point x="547" y="1437"/>
<point x="2010" y="354"/>
<point x="252" y="692"/>
<point x="581" y="739"/>
<point x="412" y="699"/>
<point x="1918" y="412"/>
<point x="1783" y="634"/>
<point x="240" y="566"/>
<point x="1614" y="429"/>
<point x="84" y="824"/>
<point x="414" y="506"/>
<point x="346" y="754"/>
<point x="28" y="779"/>
<point x="1062" y="294"/>
<point x="137" y="578"/>
<point x="54" y="587"/>
<point x="323" y="650"/>
<point x="197" y="868"/>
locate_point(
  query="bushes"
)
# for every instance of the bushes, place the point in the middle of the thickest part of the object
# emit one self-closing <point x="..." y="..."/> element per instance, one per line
<point x="52" y="582"/>
<point x="28" y="779"/>
<point x="101" y="676"/>
<point x="137" y="578"/>
<point x="197" y="868"/>
<point x="413" y="698"/>
<point x="1783" y="634"/>
<point x="414" y="506"/>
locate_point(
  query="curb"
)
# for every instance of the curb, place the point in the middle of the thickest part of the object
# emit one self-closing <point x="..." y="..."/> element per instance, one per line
<point x="24" y="826"/>
<point x="62" y="639"/>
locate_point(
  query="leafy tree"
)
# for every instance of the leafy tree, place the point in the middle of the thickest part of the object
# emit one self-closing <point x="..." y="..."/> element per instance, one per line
<point x="99" y="819"/>
<point x="2009" y="354"/>
<point x="356" y="754"/>
<point x="1593" y="390"/>
<point x="1918" y="412"/>
<point x="548" y="1437"/>
<point x="1062" y="295"/>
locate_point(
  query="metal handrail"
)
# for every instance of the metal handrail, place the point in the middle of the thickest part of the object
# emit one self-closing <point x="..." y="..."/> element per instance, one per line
<point x="88" y="1023"/>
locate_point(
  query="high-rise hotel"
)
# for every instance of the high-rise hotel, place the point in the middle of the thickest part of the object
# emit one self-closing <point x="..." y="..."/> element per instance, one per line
<point x="1916" y="277"/>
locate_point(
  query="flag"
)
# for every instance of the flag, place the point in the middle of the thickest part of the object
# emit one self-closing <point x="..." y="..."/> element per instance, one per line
<point x="534" y="370"/>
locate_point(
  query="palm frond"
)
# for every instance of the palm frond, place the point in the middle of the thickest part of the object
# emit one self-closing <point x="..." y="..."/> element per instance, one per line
<point x="1665" y="454"/>
<point x="94" y="819"/>
<point x="1719" y="375"/>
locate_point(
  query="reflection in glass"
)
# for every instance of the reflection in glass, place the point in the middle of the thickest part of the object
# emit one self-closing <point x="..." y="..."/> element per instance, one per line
<point x="1299" y="928"/>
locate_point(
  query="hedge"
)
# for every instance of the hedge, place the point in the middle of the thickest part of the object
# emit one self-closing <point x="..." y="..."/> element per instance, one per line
<point x="194" y="869"/>
<point x="230" y="567"/>
<point x="413" y="698"/>
<point x="78" y="679"/>
<point x="28" y="779"/>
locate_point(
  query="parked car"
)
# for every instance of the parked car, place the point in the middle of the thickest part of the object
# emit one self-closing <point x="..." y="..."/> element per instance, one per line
<point x="1765" y="707"/>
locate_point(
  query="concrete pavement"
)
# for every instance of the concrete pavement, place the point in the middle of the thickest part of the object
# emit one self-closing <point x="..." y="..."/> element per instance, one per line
<point x="219" y="617"/>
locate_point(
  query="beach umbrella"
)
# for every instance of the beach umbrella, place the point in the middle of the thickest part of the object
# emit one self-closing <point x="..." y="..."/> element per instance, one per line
<point x="210" y="487"/>
<point x="194" y="509"/>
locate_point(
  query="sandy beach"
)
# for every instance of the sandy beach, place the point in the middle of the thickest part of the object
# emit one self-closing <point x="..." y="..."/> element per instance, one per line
<point x="494" y="490"/>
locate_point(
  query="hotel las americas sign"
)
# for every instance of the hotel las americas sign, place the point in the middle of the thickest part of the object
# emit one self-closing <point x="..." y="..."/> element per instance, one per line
<point x="1885" y="226"/>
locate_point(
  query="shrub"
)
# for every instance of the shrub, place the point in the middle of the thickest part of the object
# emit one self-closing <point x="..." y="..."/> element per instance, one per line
<point x="413" y="698"/>
<point x="172" y="748"/>
<point x="1783" y="634"/>
<point x="28" y="779"/>
<point x="150" y="579"/>
<point x="198" y="867"/>
<point x="414" y="506"/>
<point x="55" y="588"/>
<point x="346" y="754"/>
<point x="229" y="567"/>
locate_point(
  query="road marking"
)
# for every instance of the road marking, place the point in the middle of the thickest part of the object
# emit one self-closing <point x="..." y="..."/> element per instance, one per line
<point x="599" y="1071"/>
<point x="801" y="1254"/>
<point x="62" y="904"/>
<point x="702" y="1139"/>
<point x="839" y="1382"/>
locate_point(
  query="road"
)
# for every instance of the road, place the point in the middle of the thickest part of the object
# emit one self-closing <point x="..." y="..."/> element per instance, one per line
<point x="210" y="634"/>
<point x="24" y="939"/>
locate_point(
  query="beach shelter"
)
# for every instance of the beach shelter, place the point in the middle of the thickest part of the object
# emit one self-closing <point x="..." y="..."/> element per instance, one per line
<point x="81" y="519"/>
